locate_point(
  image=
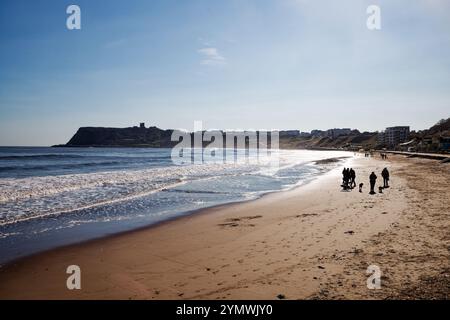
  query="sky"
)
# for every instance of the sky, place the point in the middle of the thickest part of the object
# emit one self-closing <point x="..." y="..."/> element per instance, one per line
<point x="233" y="64"/>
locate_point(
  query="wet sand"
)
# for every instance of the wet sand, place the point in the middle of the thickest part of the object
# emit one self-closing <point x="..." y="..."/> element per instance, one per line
<point x="313" y="242"/>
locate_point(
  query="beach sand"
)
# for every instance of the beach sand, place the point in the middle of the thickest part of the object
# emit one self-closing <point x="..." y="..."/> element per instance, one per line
<point x="313" y="242"/>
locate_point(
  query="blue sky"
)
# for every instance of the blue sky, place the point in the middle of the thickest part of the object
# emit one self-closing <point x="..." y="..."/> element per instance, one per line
<point x="286" y="64"/>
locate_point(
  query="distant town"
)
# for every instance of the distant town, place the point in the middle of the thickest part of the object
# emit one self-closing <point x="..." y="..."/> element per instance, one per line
<point x="398" y="138"/>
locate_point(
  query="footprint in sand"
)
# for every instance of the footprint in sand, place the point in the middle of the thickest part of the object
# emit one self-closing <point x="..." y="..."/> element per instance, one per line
<point x="234" y="222"/>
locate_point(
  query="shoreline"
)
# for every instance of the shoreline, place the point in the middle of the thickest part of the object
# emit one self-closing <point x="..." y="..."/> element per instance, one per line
<point x="152" y="258"/>
<point x="181" y="215"/>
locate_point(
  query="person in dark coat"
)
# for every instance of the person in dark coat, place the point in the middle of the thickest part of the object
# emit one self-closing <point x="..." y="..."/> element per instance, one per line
<point x="344" y="178"/>
<point x="385" y="175"/>
<point x="373" y="180"/>
<point x="352" y="175"/>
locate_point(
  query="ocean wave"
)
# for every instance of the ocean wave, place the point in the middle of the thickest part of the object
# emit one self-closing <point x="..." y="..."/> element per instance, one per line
<point x="194" y="191"/>
<point x="28" y="198"/>
<point x="59" y="166"/>
<point x="41" y="157"/>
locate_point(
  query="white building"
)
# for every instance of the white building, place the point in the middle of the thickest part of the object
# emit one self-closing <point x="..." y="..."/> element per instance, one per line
<point x="396" y="135"/>
<point x="334" y="133"/>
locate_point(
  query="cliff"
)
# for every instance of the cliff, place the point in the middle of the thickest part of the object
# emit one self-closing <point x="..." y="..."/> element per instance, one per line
<point x="121" y="137"/>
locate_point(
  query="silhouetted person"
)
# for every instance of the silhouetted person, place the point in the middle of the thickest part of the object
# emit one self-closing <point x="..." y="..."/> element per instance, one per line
<point x="385" y="175"/>
<point x="373" y="180"/>
<point x="349" y="178"/>
<point x="352" y="175"/>
<point x="344" y="178"/>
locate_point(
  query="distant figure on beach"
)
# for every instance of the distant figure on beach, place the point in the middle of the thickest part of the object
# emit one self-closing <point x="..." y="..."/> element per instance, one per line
<point x="373" y="180"/>
<point x="352" y="175"/>
<point x="385" y="175"/>
<point x="361" y="186"/>
<point x="380" y="189"/>
<point x="345" y="178"/>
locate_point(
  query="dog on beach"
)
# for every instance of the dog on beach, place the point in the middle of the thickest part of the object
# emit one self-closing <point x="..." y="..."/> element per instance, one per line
<point x="361" y="186"/>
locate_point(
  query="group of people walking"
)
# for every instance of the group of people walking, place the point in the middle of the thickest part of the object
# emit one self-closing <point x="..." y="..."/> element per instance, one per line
<point x="348" y="180"/>
<point x="349" y="177"/>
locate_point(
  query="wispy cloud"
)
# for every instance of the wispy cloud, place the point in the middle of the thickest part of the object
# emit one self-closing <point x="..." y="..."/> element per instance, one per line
<point x="115" y="43"/>
<point x="211" y="57"/>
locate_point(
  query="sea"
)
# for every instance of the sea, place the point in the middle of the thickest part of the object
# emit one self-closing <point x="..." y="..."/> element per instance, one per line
<point x="51" y="197"/>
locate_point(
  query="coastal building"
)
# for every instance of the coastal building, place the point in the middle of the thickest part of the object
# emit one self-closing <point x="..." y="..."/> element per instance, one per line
<point x="393" y="136"/>
<point x="334" y="133"/>
<point x="290" y="133"/>
<point x="142" y="125"/>
<point x="396" y="135"/>
<point x="381" y="138"/>
<point x="433" y="144"/>
<point x="410" y="146"/>
<point x="318" y="133"/>
<point x="444" y="143"/>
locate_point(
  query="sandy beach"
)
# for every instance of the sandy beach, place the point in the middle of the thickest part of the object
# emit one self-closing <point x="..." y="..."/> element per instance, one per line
<point x="313" y="242"/>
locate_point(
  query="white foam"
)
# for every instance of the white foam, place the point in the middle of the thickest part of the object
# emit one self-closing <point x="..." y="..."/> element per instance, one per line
<point x="37" y="197"/>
